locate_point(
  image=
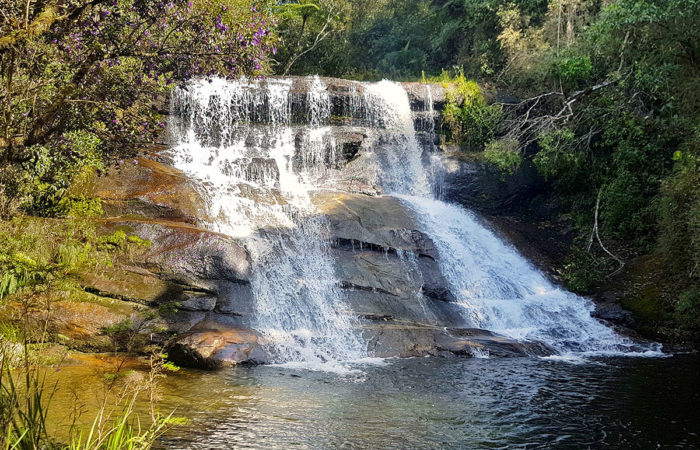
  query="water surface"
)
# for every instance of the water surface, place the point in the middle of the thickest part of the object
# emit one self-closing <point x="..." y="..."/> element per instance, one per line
<point x="445" y="403"/>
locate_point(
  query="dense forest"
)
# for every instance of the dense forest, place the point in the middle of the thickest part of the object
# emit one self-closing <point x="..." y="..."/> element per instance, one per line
<point x="600" y="96"/>
<point x="607" y="110"/>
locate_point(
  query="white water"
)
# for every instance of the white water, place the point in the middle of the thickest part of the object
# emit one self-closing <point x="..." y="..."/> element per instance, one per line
<point x="499" y="289"/>
<point x="238" y="140"/>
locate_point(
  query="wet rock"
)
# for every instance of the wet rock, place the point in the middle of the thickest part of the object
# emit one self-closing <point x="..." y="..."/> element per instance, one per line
<point x="216" y="348"/>
<point x="419" y="309"/>
<point x="235" y="298"/>
<point x="473" y="183"/>
<point x="377" y="272"/>
<point x="614" y="314"/>
<point x="420" y="94"/>
<point x="185" y="254"/>
<point x="411" y="340"/>
<point x="382" y="222"/>
<point x="80" y="324"/>
<point x="125" y="284"/>
<point x="198" y="302"/>
<point x="147" y="188"/>
<point x="473" y="342"/>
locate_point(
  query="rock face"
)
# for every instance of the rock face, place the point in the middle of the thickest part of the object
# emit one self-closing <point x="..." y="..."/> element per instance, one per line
<point x="387" y="271"/>
<point x="145" y="187"/>
<point x="387" y="268"/>
<point x="519" y="206"/>
<point x="200" y="281"/>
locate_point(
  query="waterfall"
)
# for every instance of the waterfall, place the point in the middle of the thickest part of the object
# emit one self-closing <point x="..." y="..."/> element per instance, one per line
<point x="498" y="289"/>
<point x="258" y="149"/>
<point x="237" y="139"/>
<point x="400" y="154"/>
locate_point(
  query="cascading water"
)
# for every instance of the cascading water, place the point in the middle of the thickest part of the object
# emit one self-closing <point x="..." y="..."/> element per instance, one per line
<point x="237" y="139"/>
<point x="257" y="165"/>
<point x="498" y="288"/>
<point x="399" y="155"/>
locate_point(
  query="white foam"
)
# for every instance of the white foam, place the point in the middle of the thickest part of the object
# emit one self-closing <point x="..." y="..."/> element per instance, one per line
<point x="236" y="138"/>
<point x="502" y="292"/>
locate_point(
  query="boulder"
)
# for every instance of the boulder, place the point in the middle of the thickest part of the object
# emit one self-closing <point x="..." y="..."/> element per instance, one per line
<point x="414" y="340"/>
<point x="185" y="254"/>
<point x="143" y="187"/>
<point x="216" y="347"/>
<point x="376" y="222"/>
<point x="132" y="285"/>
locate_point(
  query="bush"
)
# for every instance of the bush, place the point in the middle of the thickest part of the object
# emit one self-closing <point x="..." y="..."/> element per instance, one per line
<point x="572" y="70"/>
<point x="470" y="121"/>
<point x="584" y="271"/>
<point x="560" y="160"/>
<point x="679" y="217"/>
<point x="53" y="169"/>
<point x="504" y="154"/>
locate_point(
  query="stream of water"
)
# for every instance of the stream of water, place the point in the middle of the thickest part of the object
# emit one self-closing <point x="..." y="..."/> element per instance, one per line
<point x="258" y="155"/>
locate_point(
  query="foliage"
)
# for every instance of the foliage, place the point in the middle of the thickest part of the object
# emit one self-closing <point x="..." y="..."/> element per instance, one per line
<point x="119" y="241"/>
<point x="41" y="254"/>
<point x="24" y="408"/>
<point x="37" y="254"/>
<point x="624" y="123"/>
<point x="469" y="119"/>
<point x="573" y="70"/>
<point x="560" y="160"/>
<point x="83" y="81"/>
<point x="679" y="237"/>
<point x="26" y="399"/>
<point x="53" y="169"/>
<point x="583" y="271"/>
<point x="19" y="271"/>
<point x="101" y="64"/>
<point x="504" y="154"/>
<point x="304" y="25"/>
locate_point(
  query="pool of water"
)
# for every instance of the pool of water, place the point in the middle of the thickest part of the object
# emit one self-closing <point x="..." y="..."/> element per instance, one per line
<point x="443" y="403"/>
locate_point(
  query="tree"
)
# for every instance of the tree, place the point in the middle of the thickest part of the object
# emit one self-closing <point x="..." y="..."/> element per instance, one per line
<point x="304" y="25"/>
<point x="99" y="64"/>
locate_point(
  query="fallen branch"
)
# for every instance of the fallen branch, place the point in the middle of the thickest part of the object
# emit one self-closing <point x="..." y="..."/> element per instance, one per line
<point x="595" y="233"/>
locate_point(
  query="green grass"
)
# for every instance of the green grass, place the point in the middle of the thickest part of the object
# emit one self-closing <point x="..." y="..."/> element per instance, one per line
<point x="26" y="399"/>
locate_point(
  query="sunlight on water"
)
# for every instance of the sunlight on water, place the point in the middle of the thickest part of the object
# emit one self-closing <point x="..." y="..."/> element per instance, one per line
<point x="502" y="292"/>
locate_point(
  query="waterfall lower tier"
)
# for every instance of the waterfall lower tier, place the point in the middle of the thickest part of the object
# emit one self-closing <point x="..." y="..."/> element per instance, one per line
<point x="257" y="181"/>
<point x="502" y="292"/>
<point x="299" y="307"/>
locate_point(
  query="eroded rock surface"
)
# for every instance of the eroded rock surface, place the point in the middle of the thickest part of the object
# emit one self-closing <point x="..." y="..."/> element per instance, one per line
<point x="387" y="270"/>
<point x="199" y="281"/>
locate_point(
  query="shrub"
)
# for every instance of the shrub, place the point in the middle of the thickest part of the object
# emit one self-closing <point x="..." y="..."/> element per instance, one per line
<point x="470" y="121"/>
<point x="559" y="159"/>
<point x="572" y="70"/>
<point x="504" y="154"/>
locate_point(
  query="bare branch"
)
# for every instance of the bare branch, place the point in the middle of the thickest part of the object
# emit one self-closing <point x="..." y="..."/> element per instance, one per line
<point x="597" y="235"/>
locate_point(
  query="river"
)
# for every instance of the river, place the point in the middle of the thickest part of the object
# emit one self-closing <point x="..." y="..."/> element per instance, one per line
<point x="446" y="403"/>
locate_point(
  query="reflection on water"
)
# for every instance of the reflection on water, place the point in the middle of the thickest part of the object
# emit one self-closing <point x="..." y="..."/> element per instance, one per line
<point x="446" y="403"/>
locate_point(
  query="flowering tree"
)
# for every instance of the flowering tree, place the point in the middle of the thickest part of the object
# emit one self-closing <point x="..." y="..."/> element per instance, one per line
<point x="101" y="65"/>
